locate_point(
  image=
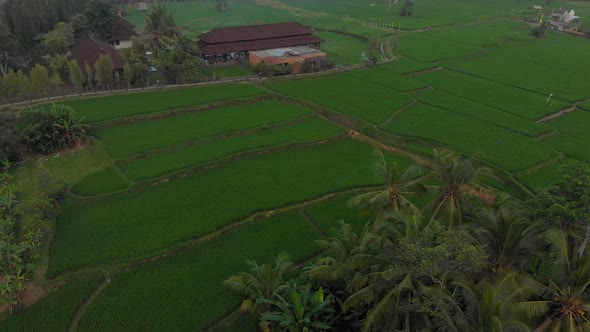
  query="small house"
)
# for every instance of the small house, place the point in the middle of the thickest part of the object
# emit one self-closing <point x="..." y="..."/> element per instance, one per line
<point x="122" y="35"/>
<point x="563" y="19"/>
<point x="88" y="50"/>
<point x="294" y="56"/>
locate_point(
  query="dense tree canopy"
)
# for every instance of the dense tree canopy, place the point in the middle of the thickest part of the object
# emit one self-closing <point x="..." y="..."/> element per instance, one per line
<point x="507" y="267"/>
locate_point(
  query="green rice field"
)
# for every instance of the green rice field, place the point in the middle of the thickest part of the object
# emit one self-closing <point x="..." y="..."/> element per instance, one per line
<point x="367" y="101"/>
<point x="176" y="188"/>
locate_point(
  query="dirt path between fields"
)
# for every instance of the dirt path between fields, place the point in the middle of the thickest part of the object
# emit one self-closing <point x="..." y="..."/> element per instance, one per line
<point x="564" y="111"/>
<point x="78" y="316"/>
<point x="416" y="73"/>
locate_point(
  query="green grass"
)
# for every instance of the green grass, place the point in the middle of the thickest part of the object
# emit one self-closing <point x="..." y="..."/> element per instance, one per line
<point x="481" y="112"/>
<point x="585" y="105"/>
<point x="123" y="106"/>
<point x="343" y="49"/>
<point x="519" y="102"/>
<point x="129" y="225"/>
<point x="102" y="182"/>
<point x="570" y="146"/>
<point x="483" y="33"/>
<point x="575" y="124"/>
<point x="55" y="311"/>
<point x="311" y="129"/>
<point x="388" y="79"/>
<point x="348" y="95"/>
<point x="226" y="72"/>
<point x="407" y="66"/>
<point x="544" y="177"/>
<point x="427" y="48"/>
<point x="126" y="140"/>
<point x="185" y="291"/>
<point x="540" y="65"/>
<point x="471" y="136"/>
<point x="53" y="171"/>
<point x="329" y="214"/>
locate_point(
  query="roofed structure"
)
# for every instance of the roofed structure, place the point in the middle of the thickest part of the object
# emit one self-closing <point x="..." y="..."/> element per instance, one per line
<point x="124" y="30"/>
<point x="286" y="56"/>
<point x="88" y="50"/>
<point x="222" y="41"/>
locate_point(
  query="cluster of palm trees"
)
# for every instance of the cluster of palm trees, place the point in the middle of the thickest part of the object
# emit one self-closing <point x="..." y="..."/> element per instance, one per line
<point x="459" y="264"/>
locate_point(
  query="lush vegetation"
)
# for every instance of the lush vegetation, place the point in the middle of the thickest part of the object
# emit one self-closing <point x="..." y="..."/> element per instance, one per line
<point x="176" y="191"/>
<point x="200" y="203"/>
<point x="307" y="130"/>
<point x="124" y="106"/>
<point x="141" y="137"/>
<point x="371" y="102"/>
<point x="413" y="270"/>
<point x="471" y="136"/>
<point x="55" y="311"/>
<point x="192" y="279"/>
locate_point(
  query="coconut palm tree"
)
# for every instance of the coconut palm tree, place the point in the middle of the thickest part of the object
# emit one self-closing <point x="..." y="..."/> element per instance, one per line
<point x="508" y="237"/>
<point x="484" y="307"/>
<point x="160" y="29"/>
<point x="564" y="304"/>
<point x="261" y="282"/>
<point x="455" y="173"/>
<point x="339" y="249"/>
<point x="398" y="186"/>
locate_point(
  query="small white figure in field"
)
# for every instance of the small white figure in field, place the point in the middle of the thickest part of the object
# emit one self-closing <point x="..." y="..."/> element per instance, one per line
<point x="550" y="103"/>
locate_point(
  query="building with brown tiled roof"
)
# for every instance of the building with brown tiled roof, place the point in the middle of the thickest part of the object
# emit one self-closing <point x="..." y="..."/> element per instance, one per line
<point x="88" y="50"/>
<point x="234" y="43"/>
<point x="122" y="35"/>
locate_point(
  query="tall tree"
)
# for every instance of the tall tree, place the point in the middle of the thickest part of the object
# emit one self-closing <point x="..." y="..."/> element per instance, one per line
<point x="565" y="295"/>
<point x="486" y="306"/>
<point x="100" y="19"/>
<point x="104" y="70"/>
<point x="160" y="29"/>
<point x="89" y="75"/>
<point x="76" y="75"/>
<point x="40" y="78"/>
<point x="59" y="40"/>
<point x="456" y="174"/>
<point x="60" y="66"/>
<point x="8" y="48"/>
<point x="261" y="282"/>
<point x="400" y="184"/>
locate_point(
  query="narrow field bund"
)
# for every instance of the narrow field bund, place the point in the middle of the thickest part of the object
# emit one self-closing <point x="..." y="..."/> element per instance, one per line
<point x="55" y="311"/>
<point x="142" y="137"/>
<point x="308" y="130"/>
<point x="114" y="107"/>
<point x="529" y="105"/>
<point x="128" y="225"/>
<point x="482" y="112"/>
<point x="471" y="136"/>
<point x="421" y="46"/>
<point x="348" y="95"/>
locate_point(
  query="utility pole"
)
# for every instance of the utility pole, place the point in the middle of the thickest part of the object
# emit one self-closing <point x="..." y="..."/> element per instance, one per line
<point x="5" y="68"/>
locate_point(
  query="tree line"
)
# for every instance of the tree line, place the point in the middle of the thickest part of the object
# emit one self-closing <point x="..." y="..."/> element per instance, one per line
<point x="460" y="263"/>
<point x="160" y="54"/>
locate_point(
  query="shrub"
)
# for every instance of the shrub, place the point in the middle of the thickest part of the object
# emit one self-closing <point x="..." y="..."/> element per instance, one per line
<point x="46" y="130"/>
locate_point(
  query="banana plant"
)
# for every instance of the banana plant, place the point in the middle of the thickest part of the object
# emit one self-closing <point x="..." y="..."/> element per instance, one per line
<point x="301" y="310"/>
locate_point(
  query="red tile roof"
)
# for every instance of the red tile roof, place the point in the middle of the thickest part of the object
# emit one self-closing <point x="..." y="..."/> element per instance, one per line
<point x="253" y="32"/>
<point x="88" y="50"/>
<point x="255" y="45"/>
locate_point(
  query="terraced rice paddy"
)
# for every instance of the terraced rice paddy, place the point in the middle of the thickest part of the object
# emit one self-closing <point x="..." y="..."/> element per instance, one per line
<point x="179" y="187"/>
<point x="367" y="101"/>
